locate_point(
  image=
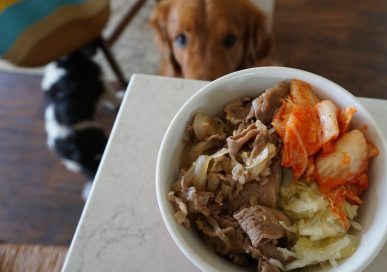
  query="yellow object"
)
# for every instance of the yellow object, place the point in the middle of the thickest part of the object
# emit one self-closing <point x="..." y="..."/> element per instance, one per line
<point x="6" y="3"/>
<point x="67" y="26"/>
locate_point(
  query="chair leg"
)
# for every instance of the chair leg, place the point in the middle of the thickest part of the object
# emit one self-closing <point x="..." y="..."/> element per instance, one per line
<point x="106" y="44"/>
<point x="124" y="22"/>
<point x="112" y="62"/>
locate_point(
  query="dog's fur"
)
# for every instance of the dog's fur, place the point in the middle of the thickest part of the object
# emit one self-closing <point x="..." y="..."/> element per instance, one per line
<point x="73" y="88"/>
<point x="219" y="37"/>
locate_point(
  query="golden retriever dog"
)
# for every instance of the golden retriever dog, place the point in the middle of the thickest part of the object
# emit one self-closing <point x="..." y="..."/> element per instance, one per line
<point x="205" y="39"/>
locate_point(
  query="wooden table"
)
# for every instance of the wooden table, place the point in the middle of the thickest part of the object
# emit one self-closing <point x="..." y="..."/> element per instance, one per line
<point x="342" y="40"/>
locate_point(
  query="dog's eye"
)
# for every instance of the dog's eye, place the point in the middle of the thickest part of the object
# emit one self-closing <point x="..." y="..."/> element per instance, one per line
<point x="229" y="41"/>
<point x="181" y="40"/>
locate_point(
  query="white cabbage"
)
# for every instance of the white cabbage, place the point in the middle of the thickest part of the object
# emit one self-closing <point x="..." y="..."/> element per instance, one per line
<point x="302" y="94"/>
<point x="311" y="211"/>
<point x="309" y="252"/>
<point x="350" y="210"/>
<point x="347" y="161"/>
<point x="323" y="225"/>
<point x="302" y="201"/>
<point x="321" y="236"/>
<point x="327" y="112"/>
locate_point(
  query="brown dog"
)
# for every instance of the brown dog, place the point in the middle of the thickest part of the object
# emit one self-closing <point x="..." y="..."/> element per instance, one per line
<point x="205" y="39"/>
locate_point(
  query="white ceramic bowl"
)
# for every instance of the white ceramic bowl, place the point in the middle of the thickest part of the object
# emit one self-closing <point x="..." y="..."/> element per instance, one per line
<point x="210" y="100"/>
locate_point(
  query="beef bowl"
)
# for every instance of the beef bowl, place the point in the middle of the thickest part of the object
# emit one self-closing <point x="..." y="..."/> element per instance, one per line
<point x="308" y="143"/>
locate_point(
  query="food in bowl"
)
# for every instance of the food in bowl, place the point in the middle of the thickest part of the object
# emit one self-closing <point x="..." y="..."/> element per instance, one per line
<point x="232" y="191"/>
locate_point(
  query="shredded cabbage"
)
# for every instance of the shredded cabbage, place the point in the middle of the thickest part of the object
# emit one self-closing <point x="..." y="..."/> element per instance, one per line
<point x="300" y="200"/>
<point x="321" y="236"/>
<point x="312" y="252"/>
<point x="310" y="210"/>
<point x="324" y="224"/>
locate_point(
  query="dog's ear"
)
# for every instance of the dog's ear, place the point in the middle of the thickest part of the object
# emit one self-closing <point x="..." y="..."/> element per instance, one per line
<point x="259" y="39"/>
<point x="159" y="22"/>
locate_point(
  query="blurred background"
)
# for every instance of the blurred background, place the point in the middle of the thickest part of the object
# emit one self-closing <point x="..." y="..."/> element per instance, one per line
<point x="342" y="40"/>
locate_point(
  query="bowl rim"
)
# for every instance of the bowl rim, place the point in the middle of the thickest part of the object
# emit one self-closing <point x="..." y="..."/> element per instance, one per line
<point x="276" y="71"/>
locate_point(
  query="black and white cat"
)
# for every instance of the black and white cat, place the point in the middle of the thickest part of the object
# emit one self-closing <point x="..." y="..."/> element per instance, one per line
<point x="74" y="88"/>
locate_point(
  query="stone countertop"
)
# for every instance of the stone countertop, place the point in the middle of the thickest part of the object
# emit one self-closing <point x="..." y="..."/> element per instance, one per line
<point x="121" y="228"/>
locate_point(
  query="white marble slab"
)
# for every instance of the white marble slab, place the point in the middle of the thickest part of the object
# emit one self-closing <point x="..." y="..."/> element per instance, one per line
<point x="121" y="228"/>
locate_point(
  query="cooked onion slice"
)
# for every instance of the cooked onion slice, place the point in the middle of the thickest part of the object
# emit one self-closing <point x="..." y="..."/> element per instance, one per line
<point x="205" y="126"/>
<point x="220" y="233"/>
<point x="256" y="165"/>
<point x="197" y="173"/>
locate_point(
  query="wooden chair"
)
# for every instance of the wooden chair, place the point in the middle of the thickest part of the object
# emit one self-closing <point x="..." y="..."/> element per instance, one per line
<point x="107" y="43"/>
<point x="57" y="28"/>
<point x="34" y="258"/>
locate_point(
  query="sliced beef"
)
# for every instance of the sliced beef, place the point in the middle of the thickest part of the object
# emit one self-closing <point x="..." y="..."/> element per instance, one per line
<point x="238" y="239"/>
<point x="264" y="191"/>
<point x="214" y="180"/>
<point x="200" y="148"/>
<point x="180" y="208"/>
<point x="258" y="133"/>
<point x="264" y="137"/>
<point x="265" y="266"/>
<point x="226" y="221"/>
<point x="263" y="108"/>
<point x="235" y="143"/>
<point x="226" y="236"/>
<point x="198" y="201"/>
<point x="237" y="212"/>
<point x="239" y="259"/>
<point x="220" y="183"/>
<point x="249" y="194"/>
<point x="262" y="224"/>
<point x="269" y="251"/>
<point x="221" y="164"/>
<point x="270" y="186"/>
<point x="237" y="110"/>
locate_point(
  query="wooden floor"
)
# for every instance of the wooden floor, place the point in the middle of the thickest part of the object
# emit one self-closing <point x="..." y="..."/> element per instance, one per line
<point x="39" y="199"/>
